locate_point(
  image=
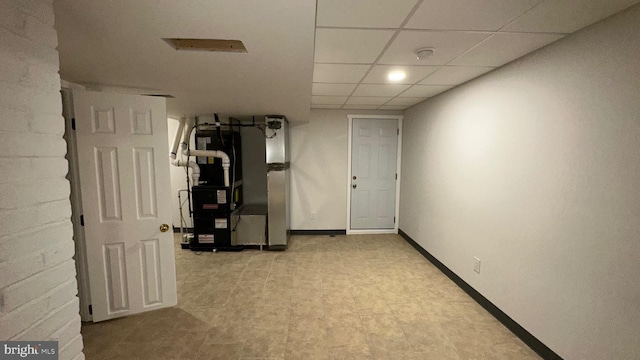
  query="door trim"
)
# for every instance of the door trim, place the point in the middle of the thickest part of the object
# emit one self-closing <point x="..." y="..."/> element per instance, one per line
<point x="399" y="118"/>
<point x="82" y="271"/>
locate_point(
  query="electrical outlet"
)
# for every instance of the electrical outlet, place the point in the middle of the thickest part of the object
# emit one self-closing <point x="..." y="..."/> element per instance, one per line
<point x="476" y="264"/>
<point x="313" y="216"/>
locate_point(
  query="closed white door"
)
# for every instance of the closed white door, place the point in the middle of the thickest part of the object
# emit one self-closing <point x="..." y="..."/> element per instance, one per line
<point x="125" y="186"/>
<point x="374" y="147"/>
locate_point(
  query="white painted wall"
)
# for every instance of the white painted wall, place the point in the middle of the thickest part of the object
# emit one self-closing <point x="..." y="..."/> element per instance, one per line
<point x="319" y="151"/>
<point x="37" y="272"/>
<point x="535" y="169"/>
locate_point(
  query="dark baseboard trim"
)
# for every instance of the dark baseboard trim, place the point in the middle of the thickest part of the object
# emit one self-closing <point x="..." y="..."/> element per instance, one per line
<point x="318" y="232"/>
<point x="292" y="232"/>
<point x="531" y="341"/>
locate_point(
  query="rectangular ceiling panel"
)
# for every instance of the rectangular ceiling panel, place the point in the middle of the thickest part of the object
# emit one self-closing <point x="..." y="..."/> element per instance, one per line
<point x="488" y="15"/>
<point x="379" y="74"/>
<point x="350" y="45"/>
<point x="454" y="75"/>
<point x="363" y="13"/>
<point x="379" y="90"/>
<point x="407" y="101"/>
<point x="566" y="16"/>
<point x="502" y="48"/>
<point x="368" y="100"/>
<point x="393" y="107"/>
<point x="425" y="90"/>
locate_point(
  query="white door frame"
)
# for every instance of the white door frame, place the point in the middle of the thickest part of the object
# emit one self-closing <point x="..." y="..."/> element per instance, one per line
<point x="84" y="293"/>
<point x="398" y="166"/>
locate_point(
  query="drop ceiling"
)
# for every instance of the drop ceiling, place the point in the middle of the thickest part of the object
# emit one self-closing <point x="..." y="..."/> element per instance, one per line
<point x="359" y="42"/>
<point x="304" y="54"/>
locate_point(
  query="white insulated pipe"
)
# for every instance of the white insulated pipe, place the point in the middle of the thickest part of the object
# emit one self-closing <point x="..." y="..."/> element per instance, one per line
<point x="226" y="162"/>
<point x="186" y="134"/>
<point x="194" y="167"/>
<point x="176" y="139"/>
<point x="174" y="152"/>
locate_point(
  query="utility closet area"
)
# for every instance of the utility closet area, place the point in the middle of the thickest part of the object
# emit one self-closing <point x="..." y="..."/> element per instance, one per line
<point x="237" y="182"/>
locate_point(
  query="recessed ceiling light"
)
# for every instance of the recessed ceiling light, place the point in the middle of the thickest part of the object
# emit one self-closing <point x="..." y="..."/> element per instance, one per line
<point x="396" y="75"/>
<point x="207" y="45"/>
<point x="424" y="53"/>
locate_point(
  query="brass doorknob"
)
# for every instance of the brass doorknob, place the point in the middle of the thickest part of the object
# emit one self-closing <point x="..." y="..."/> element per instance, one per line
<point x="164" y="227"/>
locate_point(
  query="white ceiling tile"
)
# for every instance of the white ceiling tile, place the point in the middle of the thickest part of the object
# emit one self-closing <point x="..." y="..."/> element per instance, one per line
<point x="368" y="100"/>
<point x="408" y="101"/>
<point x="454" y="75"/>
<point x="379" y="90"/>
<point x="378" y="75"/>
<point x="339" y="73"/>
<point x="350" y="45"/>
<point x="502" y="48"/>
<point x="425" y="90"/>
<point x="363" y="13"/>
<point x="317" y="106"/>
<point x="448" y="45"/>
<point x="328" y="100"/>
<point x="332" y="89"/>
<point x="566" y="16"/>
<point x="360" y="107"/>
<point x="393" y="107"/>
<point x="468" y="15"/>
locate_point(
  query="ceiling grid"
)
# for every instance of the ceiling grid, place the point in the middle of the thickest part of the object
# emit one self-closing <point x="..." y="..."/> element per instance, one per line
<point x="469" y="39"/>
<point x="304" y="54"/>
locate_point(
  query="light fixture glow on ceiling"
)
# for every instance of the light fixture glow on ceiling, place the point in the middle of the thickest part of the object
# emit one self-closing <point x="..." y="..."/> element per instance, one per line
<point x="396" y="75"/>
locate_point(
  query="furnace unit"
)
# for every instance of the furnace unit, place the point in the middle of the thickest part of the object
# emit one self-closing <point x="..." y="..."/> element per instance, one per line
<point x="213" y="202"/>
<point x="221" y="221"/>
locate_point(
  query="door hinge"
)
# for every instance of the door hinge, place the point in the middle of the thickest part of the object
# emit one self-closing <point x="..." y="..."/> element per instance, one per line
<point x="398" y="131"/>
<point x="81" y="220"/>
<point x="73" y="123"/>
<point x="396" y="176"/>
<point x="90" y="310"/>
<point x="394" y="219"/>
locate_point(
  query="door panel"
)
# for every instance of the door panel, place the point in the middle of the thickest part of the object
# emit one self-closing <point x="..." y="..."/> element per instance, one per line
<point x="144" y="173"/>
<point x="125" y="186"/>
<point x="373" y="170"/>
<point x="116" y="277"/>
<point x="151" y="279"/>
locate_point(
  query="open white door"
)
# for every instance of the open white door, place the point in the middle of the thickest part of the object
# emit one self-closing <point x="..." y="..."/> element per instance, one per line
<point x="373" y="172"/>
<point x="125" y="186"/>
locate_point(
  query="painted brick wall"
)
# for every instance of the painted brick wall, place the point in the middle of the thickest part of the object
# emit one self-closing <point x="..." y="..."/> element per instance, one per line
<point x="37" y="273"/>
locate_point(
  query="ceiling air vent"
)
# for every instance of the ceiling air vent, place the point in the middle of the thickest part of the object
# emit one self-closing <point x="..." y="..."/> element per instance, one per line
<point x="207" y="45"/>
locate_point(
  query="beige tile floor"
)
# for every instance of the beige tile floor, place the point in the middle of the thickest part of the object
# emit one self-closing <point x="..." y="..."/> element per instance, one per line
<point x="343" y="297"/>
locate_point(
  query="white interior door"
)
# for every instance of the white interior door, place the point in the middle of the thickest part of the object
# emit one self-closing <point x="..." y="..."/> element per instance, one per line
<point x="374" y="147"/>
<point x="125" y="186"/>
